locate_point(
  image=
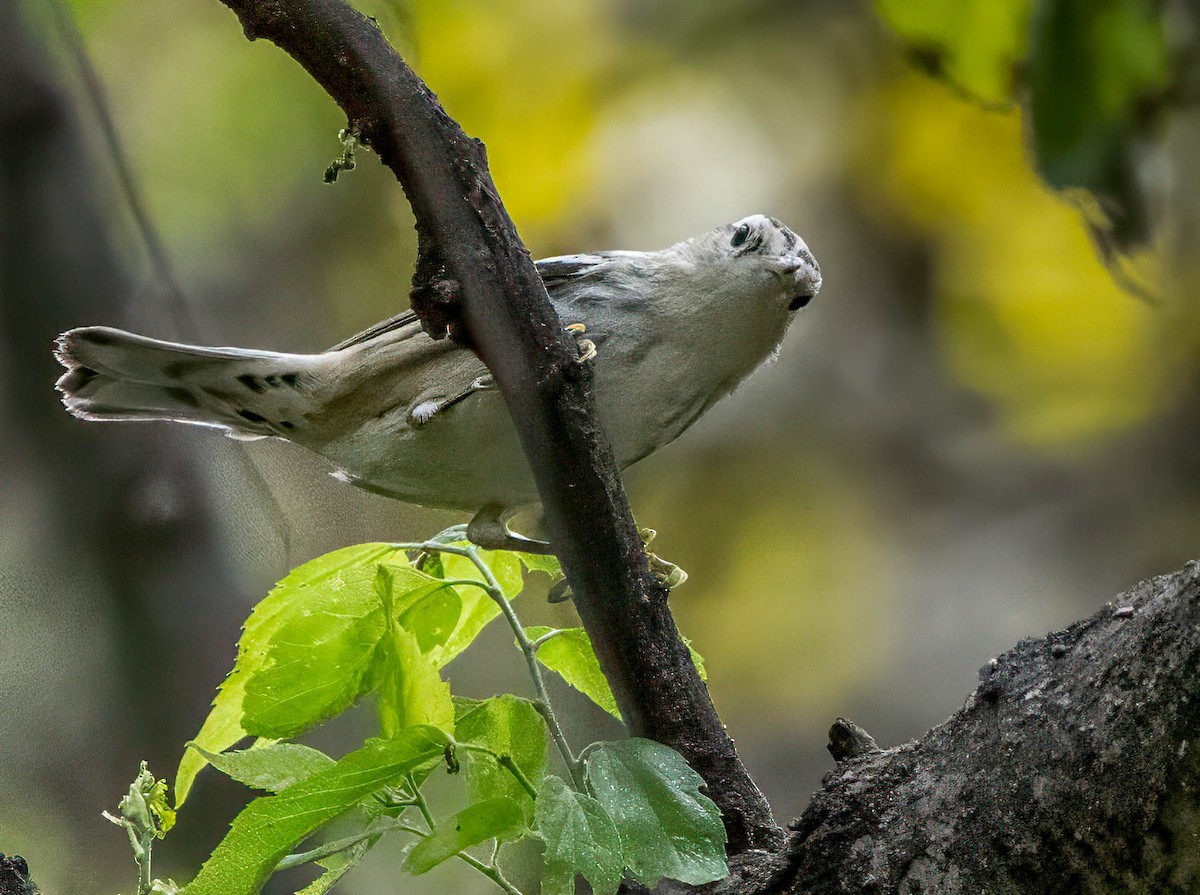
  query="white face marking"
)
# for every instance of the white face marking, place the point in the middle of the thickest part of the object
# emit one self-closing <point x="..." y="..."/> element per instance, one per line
<point x="767" y="240"/>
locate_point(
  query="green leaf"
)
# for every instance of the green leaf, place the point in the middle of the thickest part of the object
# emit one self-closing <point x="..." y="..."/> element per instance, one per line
<point x="306" y="589"/>
<point x="507" y="725"/>
<point x="667" y="827"/>
<point x="539" y="562"/>
<point x="411" y="691"/>
<point x="315" y="668"/>
<point x="493" y="819"/>
<point x="976" y="43"/>
<point x="273" y="768"/>
<point x="1096" y="70"/>
<point x="318" y="663"/>
<point x="478" y="608"/>
<point x="433" y="617"/>
<point x="270" y="826"/>
<point x="221" y="729"/>
<point x="570" y="655"/>
<point x="580" y="838"/>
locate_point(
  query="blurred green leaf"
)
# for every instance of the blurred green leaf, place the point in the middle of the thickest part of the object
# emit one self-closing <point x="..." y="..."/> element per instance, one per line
<point x="273" y="768"/>
<point x="493" y="819"/>
<point x="537" y="562"/>
<point x="580" y="839"/>
<point x="1093" y="67"/>
<point x="1094" y="76"/>
<point x="974" y="43"/>
<point x="507" y="725"/>
<point x="270" y="826"/>
<point x="667" y="827"/>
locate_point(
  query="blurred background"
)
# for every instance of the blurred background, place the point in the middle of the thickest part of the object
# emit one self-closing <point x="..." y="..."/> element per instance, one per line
<point x="983" y="429"/>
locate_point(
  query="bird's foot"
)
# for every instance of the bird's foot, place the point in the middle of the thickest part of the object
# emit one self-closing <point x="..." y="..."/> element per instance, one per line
<point x="666" y="571"/>
<point x="587" y="348"/>
<point x="489" y="530"/>
<point x="669" y="574"/>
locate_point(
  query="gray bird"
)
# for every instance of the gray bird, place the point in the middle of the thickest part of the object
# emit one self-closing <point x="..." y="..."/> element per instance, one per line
<point x="399" y="414"/>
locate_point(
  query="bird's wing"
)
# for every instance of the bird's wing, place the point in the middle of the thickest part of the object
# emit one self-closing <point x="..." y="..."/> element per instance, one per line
<point x="401" y="320"/>
<point x="568" y="270"/>
<point x="555" y="273"/>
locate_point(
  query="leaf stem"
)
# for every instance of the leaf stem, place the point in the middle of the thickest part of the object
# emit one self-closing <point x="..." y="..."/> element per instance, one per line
<point x="549" y="635"/>
<point x="332" y="848"/>
<point x="145" y="878"/>
<point x="419" y="800"/>
<point x="505" y="761"/>
<point x="492" y="872"/>
<point x="492" y="587"/>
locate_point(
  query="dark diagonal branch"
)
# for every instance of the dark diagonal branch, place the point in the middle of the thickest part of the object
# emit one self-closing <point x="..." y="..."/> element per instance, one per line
<point x="476" y="279"/>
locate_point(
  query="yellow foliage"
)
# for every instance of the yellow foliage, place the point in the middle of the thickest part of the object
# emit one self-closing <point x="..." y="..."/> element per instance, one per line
<point x="1025" y="312"/>
<point x="530" y="87"/>
<point x="772" y="581"/>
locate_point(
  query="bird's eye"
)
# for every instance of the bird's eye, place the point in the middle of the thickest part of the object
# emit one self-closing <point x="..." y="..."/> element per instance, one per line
<point x="740" y="235"/>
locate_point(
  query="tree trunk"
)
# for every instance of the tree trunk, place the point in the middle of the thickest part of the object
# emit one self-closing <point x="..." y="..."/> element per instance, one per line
<point x="1073" y="768"/>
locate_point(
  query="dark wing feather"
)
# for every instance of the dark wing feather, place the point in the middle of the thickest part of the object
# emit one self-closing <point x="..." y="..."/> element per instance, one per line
<point x="559" y="271"/>
<point x="404" y="318"/>
<point x="555" y="272"/>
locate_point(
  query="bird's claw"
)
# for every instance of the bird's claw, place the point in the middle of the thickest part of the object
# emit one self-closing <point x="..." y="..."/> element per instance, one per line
<point x="666" y="571"/>
<point x="587" y="348"/>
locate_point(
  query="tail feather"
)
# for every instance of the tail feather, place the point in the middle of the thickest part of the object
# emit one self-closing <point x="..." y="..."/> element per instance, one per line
<point x="115" y="375"/>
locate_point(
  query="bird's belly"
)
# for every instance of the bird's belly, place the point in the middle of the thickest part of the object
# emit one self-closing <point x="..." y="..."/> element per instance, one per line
<point x="469" y="455"/>
<point x="464" y="458"/>
<point x="644" y="400"/>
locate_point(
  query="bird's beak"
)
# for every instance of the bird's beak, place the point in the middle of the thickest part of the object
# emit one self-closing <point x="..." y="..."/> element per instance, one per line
<point x="804" y="280"/>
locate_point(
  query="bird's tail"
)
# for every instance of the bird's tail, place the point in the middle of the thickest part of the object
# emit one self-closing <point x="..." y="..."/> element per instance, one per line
<point x="115" y="375"/>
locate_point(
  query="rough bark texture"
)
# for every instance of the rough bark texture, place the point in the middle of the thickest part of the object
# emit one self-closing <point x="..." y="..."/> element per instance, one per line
<point x="476" y="282"/>
<point x="14" y="876"/>
<point x="1073" y="768"/>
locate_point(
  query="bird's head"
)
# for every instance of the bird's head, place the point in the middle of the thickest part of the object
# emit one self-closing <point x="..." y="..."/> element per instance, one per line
<point x="773" y="251"/>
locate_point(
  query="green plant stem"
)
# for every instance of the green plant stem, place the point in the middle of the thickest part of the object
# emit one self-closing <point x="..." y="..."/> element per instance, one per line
<point x="332" y="848"/>
<point x="505" y="761"/>
<point x="422" y="805"/>
<point x="492" y="587"/>
<point x="491" y="871"/>
<point x="549" y="635"/>
<point x="145" y="879"/>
